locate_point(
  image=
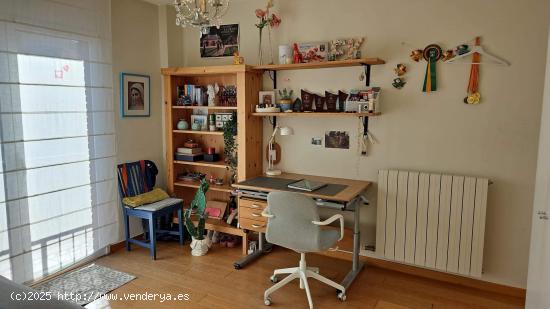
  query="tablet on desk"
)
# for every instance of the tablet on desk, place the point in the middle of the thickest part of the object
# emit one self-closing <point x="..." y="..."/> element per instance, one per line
<point x="306" y="185"/>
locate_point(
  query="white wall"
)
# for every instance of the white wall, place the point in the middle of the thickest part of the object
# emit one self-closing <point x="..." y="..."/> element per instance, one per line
<point x="136" y="49"/>
<point x="436" y="132"/>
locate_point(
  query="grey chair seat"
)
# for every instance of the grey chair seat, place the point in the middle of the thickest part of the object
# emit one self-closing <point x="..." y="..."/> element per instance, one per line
<point x="158" y="205"/>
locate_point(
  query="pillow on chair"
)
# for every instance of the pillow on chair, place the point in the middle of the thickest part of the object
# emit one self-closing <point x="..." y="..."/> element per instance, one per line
<point x="152" y="196"/>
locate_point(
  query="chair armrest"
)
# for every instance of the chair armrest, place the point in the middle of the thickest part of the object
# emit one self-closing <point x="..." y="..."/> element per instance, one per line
<point x="332" y="219"/>
<point x="265" y="213"/>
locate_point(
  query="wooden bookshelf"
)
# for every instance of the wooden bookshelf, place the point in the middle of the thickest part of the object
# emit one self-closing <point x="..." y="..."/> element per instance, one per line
<point x="249" y="138"/>
<point x="314" y="114"/>
<point x="321" y="65"/>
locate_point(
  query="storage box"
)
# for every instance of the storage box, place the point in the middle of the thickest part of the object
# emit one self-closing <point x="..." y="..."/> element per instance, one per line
<point x="190" y="158"/>
<point x="211" y="157"/>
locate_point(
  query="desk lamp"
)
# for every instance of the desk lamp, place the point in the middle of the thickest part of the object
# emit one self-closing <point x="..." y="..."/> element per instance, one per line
<point x="283" y="131"/>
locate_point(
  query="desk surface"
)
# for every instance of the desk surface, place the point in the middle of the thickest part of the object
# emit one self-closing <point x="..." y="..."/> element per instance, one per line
<point x="353" y="189"/>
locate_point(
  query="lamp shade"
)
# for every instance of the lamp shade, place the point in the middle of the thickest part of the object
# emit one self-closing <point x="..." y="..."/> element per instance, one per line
<point x="286" y="131"/>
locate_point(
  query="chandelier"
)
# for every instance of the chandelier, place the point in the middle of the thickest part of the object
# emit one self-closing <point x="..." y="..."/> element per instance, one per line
<point x="200" y="13"/>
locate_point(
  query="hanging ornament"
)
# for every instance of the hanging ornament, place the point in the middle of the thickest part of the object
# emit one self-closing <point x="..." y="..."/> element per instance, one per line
<point x="448" y="55"/>
<point x="400" y="69"/>
<point x="432" y="53"/>
<point x="398" y="83"/>
<point x="473" y="91"/>
<point x="416" y="55"/>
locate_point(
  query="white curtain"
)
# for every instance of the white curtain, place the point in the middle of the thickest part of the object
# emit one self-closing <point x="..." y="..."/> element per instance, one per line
<point x="57" y="172"/>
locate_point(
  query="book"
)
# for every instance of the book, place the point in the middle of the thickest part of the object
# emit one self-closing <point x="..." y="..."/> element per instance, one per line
<point x="185" y="150"/>
<point x="188" y="157"/>
<point x="306" y="185"/>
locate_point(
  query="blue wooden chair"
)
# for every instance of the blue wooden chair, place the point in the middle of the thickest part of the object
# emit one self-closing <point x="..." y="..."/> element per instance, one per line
<point x="136" y="178"/>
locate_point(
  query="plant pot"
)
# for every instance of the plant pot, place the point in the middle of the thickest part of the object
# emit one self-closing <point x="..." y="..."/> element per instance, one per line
<point x="199" y="247"/>
<point x="285" y="104"/>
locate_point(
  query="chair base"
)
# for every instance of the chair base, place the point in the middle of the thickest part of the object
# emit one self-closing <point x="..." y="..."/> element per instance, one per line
<point x="301" y="272"/>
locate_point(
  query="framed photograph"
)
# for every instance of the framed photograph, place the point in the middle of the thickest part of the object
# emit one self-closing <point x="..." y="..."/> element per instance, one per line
<point x="314" y="51"/>
<point x="135" y="95"/>
<point x="200" y="119"/>
<point x="337" y="139"/>
<point x="267" y="98"/>
<point x="222" y="42"/>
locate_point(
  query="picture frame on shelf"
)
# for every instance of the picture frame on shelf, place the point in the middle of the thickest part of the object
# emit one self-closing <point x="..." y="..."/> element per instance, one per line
<point x="267" y="98"/>
<point x="200" y="119"/>
<point x="135" y="95"/>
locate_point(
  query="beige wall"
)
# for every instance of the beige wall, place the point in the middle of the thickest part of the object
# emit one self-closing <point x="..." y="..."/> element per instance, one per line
<point x="135" y="30"/>
<point x="435" y="132"/>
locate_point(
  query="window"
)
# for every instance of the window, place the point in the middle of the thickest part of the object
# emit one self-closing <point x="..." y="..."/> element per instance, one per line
<point x="58" y="203"/>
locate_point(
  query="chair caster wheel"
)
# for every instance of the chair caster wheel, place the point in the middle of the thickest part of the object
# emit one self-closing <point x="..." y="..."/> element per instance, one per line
<point x="237" y="266"/>
<point x="274" y="279"/>
<point x="267" y="301"/>
<point x="342" y="296"/>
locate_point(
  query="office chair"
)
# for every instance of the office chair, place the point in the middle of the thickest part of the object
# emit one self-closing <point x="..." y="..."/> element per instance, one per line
<point x="293" y="223"/>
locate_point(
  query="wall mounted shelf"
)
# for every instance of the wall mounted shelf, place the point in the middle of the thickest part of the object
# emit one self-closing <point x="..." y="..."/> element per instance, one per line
<point x="365" y="62"/>
<point x="314" y="114"/>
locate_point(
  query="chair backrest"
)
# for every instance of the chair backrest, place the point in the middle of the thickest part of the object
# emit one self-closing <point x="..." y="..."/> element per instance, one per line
<point x="135" y="178"/>
<point x="292" y="227"/>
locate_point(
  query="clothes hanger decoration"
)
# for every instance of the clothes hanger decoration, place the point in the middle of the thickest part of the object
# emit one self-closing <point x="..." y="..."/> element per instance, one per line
<point x="432" y="53"/>
<point x="473" y="96"/>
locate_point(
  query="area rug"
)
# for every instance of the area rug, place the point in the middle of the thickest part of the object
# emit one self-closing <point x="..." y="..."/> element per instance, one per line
<point x="86" y="284"/>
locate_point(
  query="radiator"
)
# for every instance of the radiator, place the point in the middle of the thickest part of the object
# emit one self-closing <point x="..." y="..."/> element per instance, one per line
<point x="432" y="220"/>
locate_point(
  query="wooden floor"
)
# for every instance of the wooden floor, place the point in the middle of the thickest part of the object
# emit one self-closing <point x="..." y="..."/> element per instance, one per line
<point x="212" y="282"/>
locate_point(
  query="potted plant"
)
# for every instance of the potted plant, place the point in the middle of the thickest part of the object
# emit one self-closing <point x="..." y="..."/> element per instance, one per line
<point x="285" y="99"/>
<point x="230" y="145"/>
<point x="199" y="243"/>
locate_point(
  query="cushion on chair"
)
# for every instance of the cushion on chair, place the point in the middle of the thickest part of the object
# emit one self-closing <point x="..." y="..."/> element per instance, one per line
<point x="160" y="204"/>
<point x="152" y="196"/>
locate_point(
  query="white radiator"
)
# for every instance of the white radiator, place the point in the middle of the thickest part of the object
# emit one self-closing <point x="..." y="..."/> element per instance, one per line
<point x="432" y="220"/>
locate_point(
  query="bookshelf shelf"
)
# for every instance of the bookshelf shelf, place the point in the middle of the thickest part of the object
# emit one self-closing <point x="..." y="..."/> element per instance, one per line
<point x="198" y="132"/>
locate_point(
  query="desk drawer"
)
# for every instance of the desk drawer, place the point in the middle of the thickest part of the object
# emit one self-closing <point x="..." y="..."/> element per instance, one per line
<point x="252" y="225"/>
<point x="251" y="214"/>
<point x="253" y="204"/>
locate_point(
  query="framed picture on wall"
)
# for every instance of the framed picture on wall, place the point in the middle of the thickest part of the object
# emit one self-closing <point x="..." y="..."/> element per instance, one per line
<point x="219" y="42"/>
<point x="135" y="95"/>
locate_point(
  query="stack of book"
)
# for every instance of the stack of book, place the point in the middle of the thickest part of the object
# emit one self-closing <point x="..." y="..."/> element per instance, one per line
<point x="189" y="154"/>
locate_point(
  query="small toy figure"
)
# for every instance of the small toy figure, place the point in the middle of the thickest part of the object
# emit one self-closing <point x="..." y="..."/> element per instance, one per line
<point x="401" y="69"/>
<point x="416" y="55"/>
<point x="237" y="59"/>
<point x="448" y="55"/>
<point x="212" y="90"/>
<point x="297" y="56"/>
<point x="398" y="83"/>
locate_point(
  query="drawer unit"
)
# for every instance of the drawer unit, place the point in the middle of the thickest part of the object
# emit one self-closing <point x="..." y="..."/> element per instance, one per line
<point x="252" y="225"/>
<point x="253" y="204"/>
<point x="252" y="214"/>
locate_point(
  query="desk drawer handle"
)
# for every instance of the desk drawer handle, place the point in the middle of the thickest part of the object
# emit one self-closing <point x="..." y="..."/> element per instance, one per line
<point x="257" y="226"/>
<point x="255" y="206"/>
<point x="256" y="215"/>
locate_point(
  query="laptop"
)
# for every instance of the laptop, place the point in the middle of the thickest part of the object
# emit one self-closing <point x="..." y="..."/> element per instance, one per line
<point x="306" y="185"/>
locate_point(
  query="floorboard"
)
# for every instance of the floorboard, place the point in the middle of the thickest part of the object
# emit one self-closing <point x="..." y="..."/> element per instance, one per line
<point x="212" y="282"/>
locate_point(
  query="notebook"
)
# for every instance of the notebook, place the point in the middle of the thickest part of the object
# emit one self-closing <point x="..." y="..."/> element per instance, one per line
<point x="306" y="185"/>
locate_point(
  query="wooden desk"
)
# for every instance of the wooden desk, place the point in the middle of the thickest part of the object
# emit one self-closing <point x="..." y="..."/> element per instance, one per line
<point x="354" y="187"/>
<point x="252" y="201"/>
